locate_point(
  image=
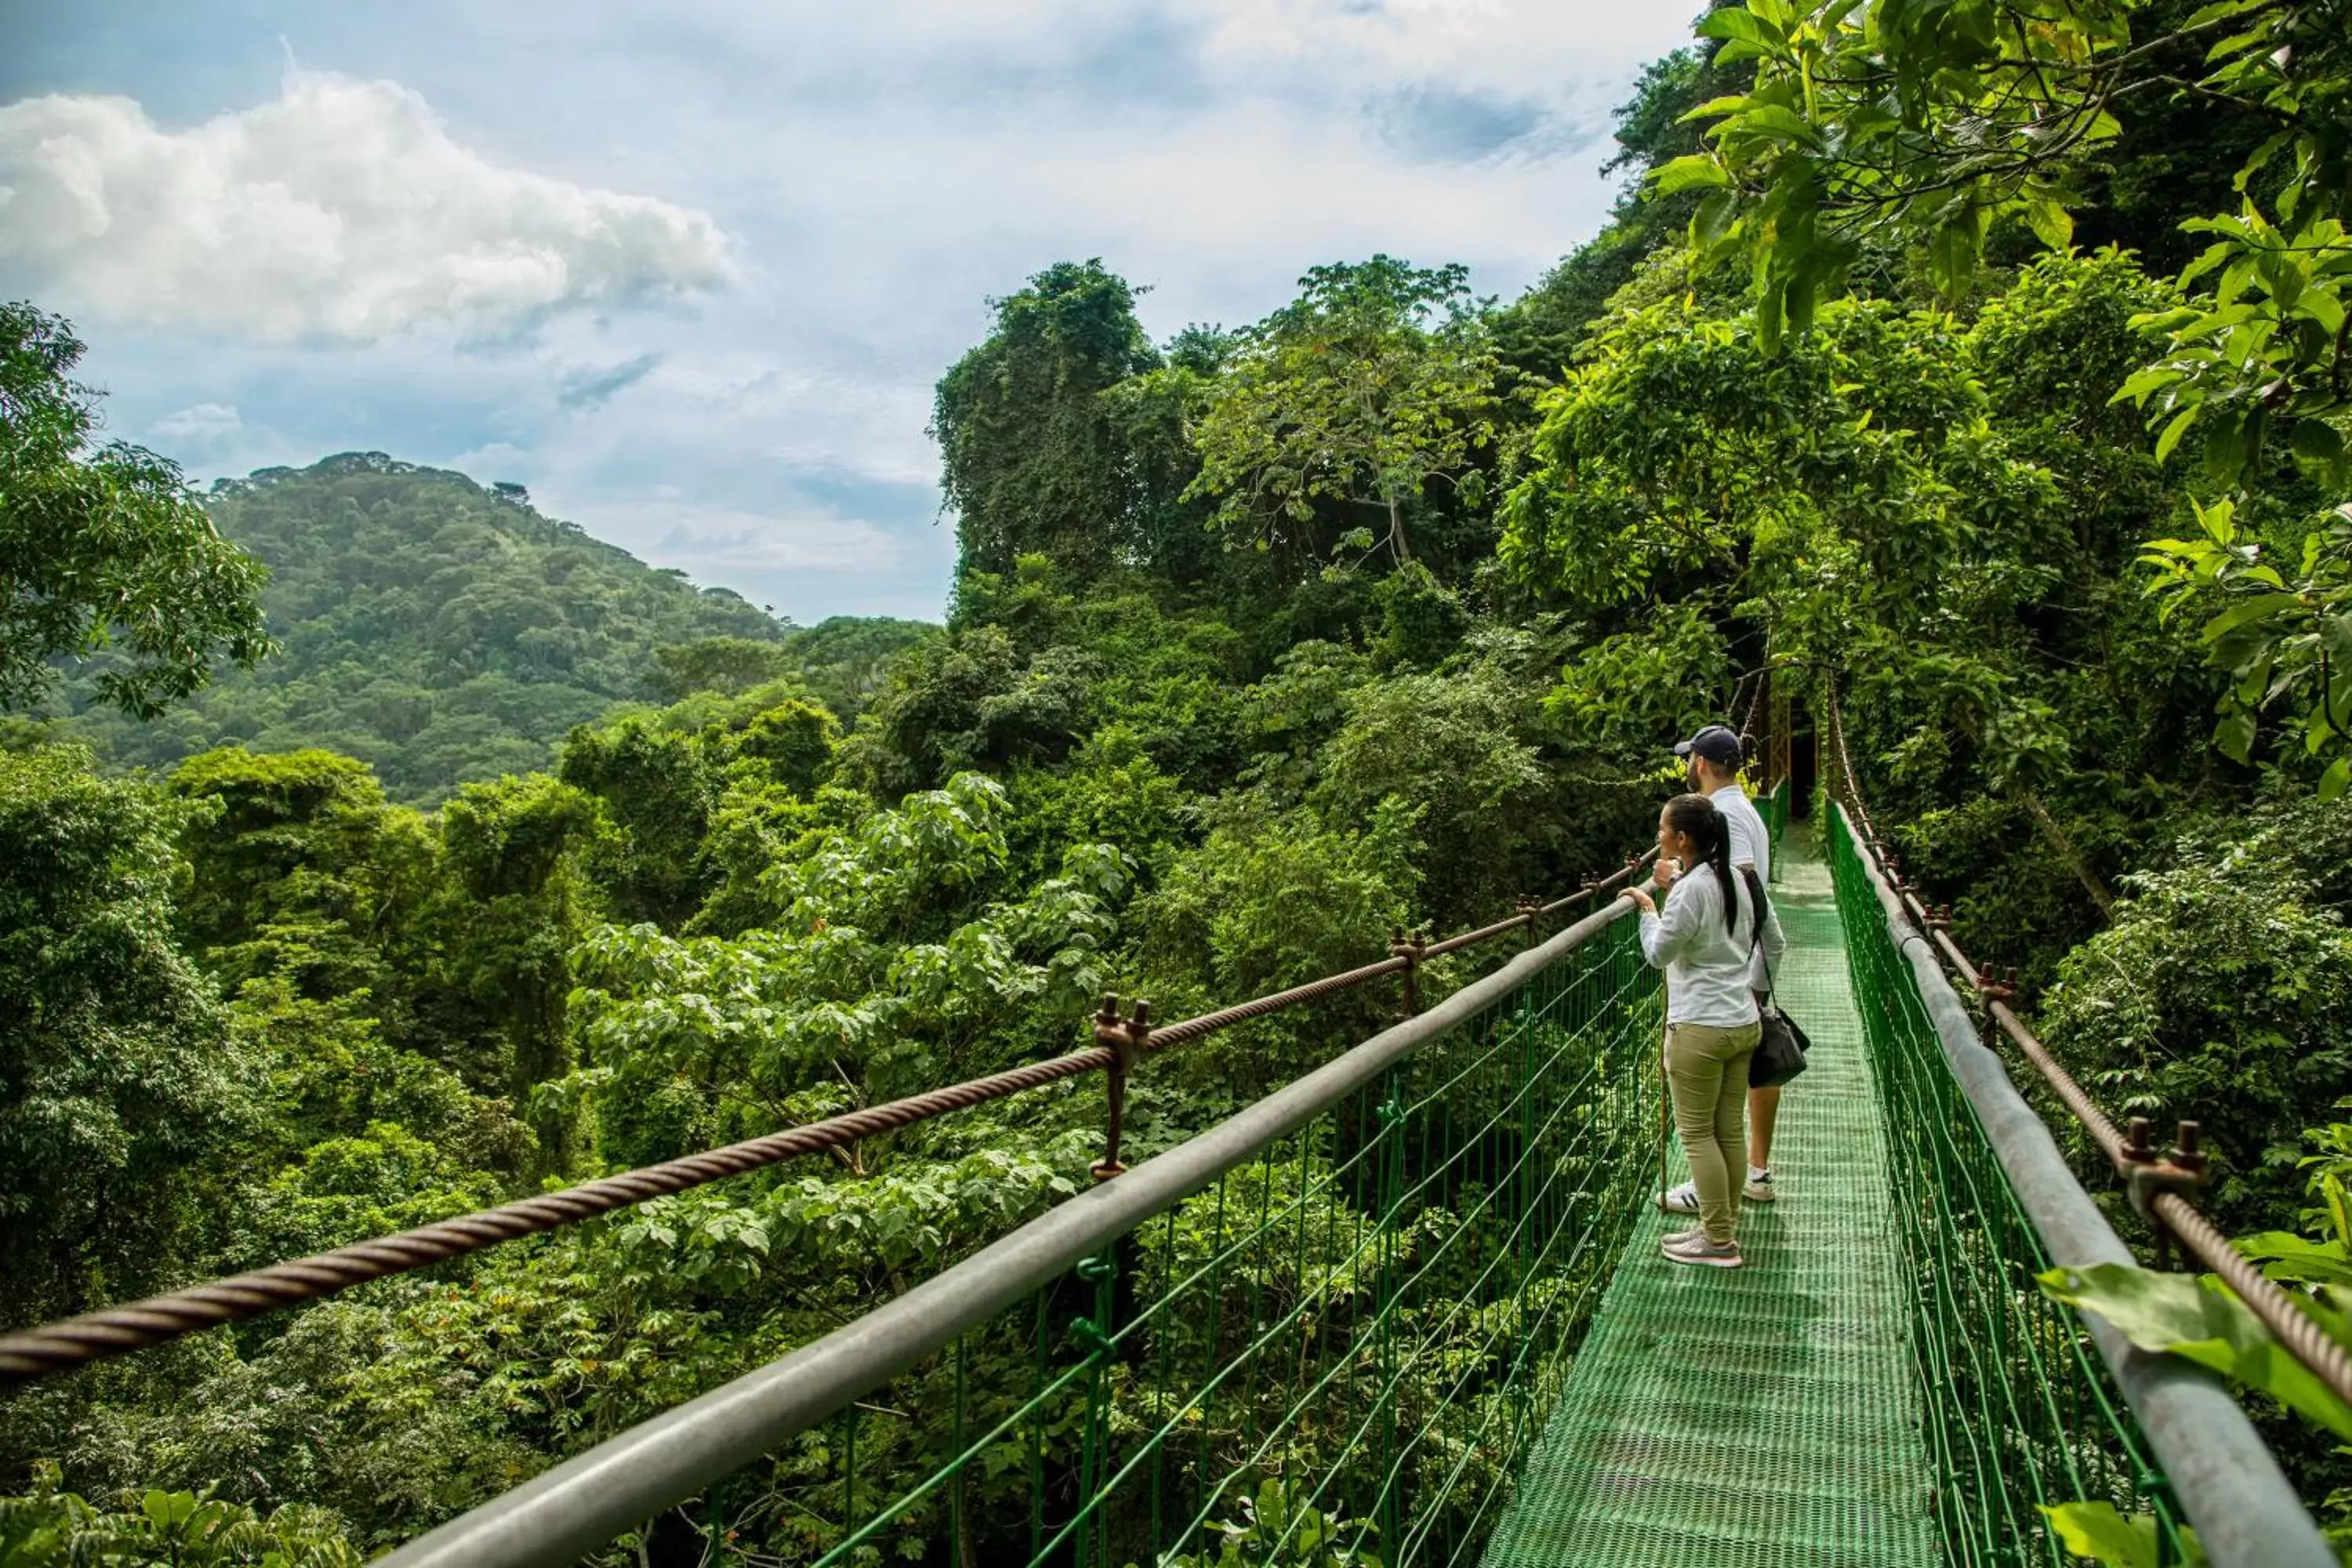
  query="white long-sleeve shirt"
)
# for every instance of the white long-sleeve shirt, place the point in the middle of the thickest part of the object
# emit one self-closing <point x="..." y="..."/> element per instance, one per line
<point x="1707" y="967"/>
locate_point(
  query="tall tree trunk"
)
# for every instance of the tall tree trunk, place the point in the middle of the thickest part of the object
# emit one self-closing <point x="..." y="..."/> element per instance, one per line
<point x="1396" y="531"/>
<point x="2053" y="834"/>
<point x="2059" y="839"/>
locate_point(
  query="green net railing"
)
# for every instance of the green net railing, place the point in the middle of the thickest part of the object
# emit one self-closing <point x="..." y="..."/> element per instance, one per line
<point x="1336" y="1355"/>
<point x="2021" y="1411"/>
<point x="1773" y="806"/>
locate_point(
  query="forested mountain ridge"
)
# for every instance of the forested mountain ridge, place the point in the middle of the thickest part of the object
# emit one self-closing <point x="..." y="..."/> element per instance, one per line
<point x="438" y="629"/>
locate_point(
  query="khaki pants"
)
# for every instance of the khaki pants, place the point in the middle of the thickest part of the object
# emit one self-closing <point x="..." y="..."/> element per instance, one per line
<point x="1707" y="1069"/>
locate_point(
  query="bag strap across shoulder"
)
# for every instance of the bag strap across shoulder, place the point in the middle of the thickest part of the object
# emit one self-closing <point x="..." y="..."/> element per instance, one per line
<point x="1758" y="908"/>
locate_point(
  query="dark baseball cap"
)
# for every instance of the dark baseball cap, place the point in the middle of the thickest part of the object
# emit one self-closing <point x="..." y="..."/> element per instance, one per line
<point x="1716" y="744"/>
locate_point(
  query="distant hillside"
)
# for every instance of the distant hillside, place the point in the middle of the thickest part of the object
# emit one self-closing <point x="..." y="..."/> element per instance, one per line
<point x="443" y="631"/>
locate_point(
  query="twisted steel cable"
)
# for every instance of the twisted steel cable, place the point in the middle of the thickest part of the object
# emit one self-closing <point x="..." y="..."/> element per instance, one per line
<point x="1225" y="1018"/>
<point x="71" y="1343"/>
<point x="1763" y="678"/>
<point x="1472" y="938"/>
<point x="1622" y="875"/>
<point x="2061" y="1083"/>
<point x="138" y="1325"/>
<point x="2297" y="1330"/>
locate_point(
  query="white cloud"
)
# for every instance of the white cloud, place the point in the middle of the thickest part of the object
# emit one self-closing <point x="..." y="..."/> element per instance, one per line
<point x="202" y="425"/>
<point x="344" y="210"/>
<point x="717" y="543"/>
<point x="879" y="175"/>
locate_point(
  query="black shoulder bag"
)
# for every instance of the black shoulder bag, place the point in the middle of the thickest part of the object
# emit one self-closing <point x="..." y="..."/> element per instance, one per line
<point x="1781" y="1053"/>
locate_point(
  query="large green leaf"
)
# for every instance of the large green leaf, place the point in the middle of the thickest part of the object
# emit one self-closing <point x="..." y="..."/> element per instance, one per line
<point x="2096" y="1531"/>
<point x="2233" y="735"/>
<point x="1712" y="221"/>
<point x="2199" y="1319"/>
<point x="1772" y="121"/>
<point x="1731" y="24"/>
<point x="1953" y="253"/>
<point x="2174" y="429"/>
<point x="2286" y="1255"/>
<point x="2052" y="224"/>
<point x="1690" y="172"/>
<point x="2249" y="610"/>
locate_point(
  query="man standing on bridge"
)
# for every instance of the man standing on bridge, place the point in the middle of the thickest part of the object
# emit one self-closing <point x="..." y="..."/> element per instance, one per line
<point x="1713" y="756"/>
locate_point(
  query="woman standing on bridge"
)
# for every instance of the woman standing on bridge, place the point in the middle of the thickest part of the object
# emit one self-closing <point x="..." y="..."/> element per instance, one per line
<point x="1702" y="938"/>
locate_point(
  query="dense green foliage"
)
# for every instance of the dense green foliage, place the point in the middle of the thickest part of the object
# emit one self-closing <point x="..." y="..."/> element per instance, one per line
<point x="1922" y="130"/>
<point x="103" y="547"/>
<point x="1375" y="384"/>
<point x="1368" y="615"/>
<point x="118" y="1056"/>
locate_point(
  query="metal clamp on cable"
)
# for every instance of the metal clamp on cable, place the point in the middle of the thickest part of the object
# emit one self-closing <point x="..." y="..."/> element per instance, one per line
<point x="2145" y="1176"/>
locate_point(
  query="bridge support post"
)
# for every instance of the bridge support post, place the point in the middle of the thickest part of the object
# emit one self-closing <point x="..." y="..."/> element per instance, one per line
<point x="1411" y="949"/>
<point x="2146" y="1174"/>
<point x="1126" y="1037"/>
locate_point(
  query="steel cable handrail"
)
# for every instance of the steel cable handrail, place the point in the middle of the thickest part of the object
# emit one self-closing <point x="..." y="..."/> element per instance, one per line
<point x="2159" y="1187"/>
<point x="32" y="1354"/>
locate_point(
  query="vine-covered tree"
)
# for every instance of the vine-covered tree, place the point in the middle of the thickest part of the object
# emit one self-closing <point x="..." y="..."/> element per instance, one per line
<point x="1031" y="459"/>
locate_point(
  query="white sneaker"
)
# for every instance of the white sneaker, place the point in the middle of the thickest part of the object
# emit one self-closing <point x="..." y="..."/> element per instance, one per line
<point x="1684" y="1198"/>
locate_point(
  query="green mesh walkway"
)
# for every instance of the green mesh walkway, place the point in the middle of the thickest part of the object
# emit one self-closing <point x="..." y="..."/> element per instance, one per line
<point x="1767" y="1416"/>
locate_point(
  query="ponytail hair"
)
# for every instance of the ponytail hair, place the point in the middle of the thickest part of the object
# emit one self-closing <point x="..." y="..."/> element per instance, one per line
<point x="1695" y="817"/>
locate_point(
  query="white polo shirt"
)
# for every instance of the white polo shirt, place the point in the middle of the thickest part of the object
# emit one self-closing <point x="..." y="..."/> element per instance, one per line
<point x="1751" y="844"/>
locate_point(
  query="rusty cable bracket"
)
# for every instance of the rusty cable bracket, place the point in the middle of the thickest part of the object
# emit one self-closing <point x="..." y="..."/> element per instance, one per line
<point x="1127" y="1038"/>
<point x="1411" y="949"/>
<point x="2146" y="1176"/>
<point x="1531" y="910"/>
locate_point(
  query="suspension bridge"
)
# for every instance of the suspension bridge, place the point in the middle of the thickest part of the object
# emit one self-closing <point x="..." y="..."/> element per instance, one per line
<point x="1410" y="1308"/>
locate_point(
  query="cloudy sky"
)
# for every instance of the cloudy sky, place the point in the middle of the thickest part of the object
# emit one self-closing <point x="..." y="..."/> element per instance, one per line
<point x="689" y="271"/>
